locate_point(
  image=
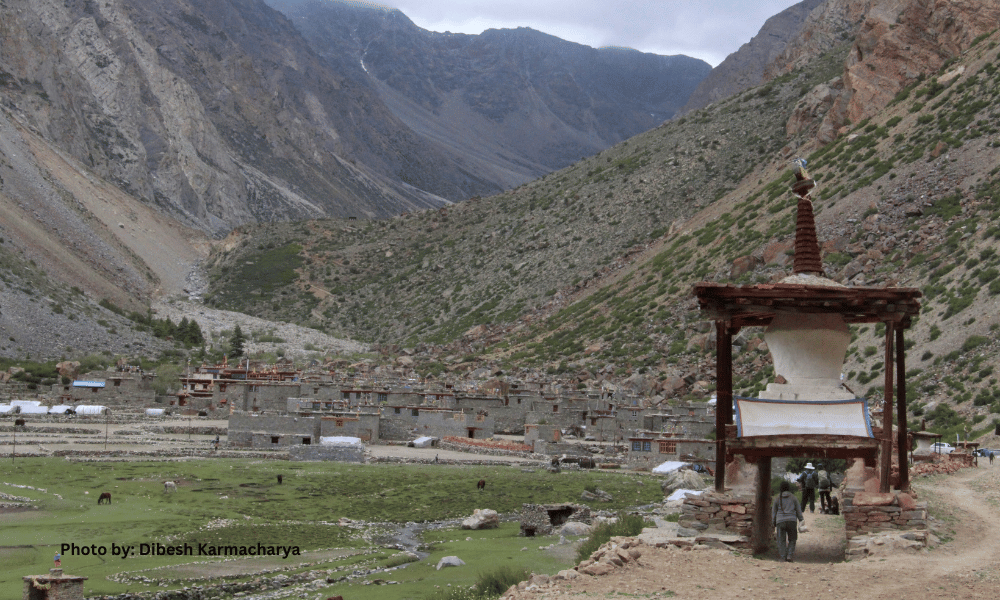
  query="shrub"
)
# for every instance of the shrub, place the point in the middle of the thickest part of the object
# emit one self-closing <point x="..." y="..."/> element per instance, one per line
<point x="625" y="526"/>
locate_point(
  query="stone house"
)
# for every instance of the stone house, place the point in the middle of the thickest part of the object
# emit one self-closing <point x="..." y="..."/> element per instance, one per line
<point x="543" y="519"/>
<point x="112" y="389"/>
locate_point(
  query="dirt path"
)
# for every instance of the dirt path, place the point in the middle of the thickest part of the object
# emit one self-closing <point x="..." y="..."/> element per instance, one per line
<point x="965" y="564"/>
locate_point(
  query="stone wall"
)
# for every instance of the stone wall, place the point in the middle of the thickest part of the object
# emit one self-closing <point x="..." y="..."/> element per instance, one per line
<point x="719" y="512"/>
<point x="332" y="453"/>
<point x="872" y="512"/>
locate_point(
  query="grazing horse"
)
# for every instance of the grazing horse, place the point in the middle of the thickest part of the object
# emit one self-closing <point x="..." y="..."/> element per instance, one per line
<point x="19" y="422"/>
<point x="481" y="485"/>
<point x="104" y="496"/>
<point x="169" y="486"/>
<point x="279" y="478"/>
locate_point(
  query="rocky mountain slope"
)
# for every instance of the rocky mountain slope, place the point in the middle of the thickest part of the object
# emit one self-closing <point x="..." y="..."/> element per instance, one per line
<point x="488" y="98"/>
<point x="585" y="273"/>
<point x="747" y="67"/>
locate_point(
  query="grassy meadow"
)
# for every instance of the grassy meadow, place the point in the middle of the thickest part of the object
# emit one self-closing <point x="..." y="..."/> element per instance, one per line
<point x="223" y="502"/>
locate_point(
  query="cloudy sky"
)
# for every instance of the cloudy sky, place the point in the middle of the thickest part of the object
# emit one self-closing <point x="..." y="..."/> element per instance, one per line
<point x="705" y="29"/>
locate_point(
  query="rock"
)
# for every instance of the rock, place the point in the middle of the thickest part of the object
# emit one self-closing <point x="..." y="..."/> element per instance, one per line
<point x="485" y="518"/>
<point x="450" y="561"/>
<point x="575" y="528"/>
<point x="681" y="479"/>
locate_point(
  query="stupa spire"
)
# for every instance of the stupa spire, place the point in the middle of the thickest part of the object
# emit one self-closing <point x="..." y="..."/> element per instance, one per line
<point x="807" y="256"/>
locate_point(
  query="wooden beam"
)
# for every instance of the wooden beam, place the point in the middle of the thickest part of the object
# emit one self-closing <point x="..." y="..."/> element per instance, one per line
<point x="901" y="435"/>
<point x="885" y="462"/>
<point x="760" y="533"/>
<point x="723" y="398"/>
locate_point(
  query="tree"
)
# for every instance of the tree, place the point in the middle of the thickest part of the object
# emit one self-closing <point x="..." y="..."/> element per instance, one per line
<point x="236" y="342"/>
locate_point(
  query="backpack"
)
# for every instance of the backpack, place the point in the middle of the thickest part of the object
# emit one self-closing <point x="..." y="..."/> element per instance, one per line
<point x="810" y="479"/>
<point x="824" y="480"/>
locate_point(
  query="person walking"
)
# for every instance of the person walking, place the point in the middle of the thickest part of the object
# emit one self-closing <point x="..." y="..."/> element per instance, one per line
<point x="825" y="485"/>
<point x="807" y="481"/>
<point x="786" y="514"/>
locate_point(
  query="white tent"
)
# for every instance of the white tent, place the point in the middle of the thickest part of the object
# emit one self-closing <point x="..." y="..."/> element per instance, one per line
<point x="154" y="412"/>
<point x="34" y="410"/>
<point x="424" y="442"/>
<point x="61" y="409"/>
<point x="8" y="409"/>
<point x="341" y="441"/>
<point x="91" y="409"/>
<point x="25" y="402"/>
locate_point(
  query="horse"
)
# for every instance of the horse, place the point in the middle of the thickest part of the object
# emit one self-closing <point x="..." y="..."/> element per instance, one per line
<point x="104" y="496"/>
<point x="481" y="485"/>
<point x="169" y="486"/>
<point x="279" y="478"/>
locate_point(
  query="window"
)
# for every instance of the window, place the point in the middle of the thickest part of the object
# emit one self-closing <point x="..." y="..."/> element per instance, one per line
<point x="383" y="398"/>
<point x="635" y="414"/>
<point x="637" y="446"/>
<point x="339" y="423"/>
<point x="415" y="412"/>
<point x="307" y="441"/>
<point x="118" y="382"/>
<point x="647" y="446"/>
<point x="668" y="447"/>
<point x="274" y="439"/>
<point x="397" y="410"/>
<point x="555" y="408"/>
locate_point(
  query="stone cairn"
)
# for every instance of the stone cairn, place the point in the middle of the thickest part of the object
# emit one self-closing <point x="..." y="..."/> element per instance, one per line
<point x="725" y="512"/>
<point x="871" y="512"/>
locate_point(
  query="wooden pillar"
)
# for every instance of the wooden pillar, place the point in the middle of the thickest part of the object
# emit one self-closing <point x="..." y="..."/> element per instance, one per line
<point x="723" y="398"/>
<point x="885" y="457"/>
<point x="760" y="537"/>
<point x="904" y="464"/>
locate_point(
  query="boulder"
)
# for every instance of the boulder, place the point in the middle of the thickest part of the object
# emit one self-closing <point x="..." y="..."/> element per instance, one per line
<point x="69" y="369"/>
<point x="681" y="479"/>
<point x="575" y="528"/>
<point x="450" y="561"/>
<point x="484" y="518"/>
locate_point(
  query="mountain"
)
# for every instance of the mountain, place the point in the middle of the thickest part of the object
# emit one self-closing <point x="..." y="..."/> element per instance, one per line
<point x="515" y="104"/>
<point x="585" y="274"/>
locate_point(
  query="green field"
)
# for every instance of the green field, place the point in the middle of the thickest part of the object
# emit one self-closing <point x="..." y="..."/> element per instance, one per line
<point x="222" y="503"/>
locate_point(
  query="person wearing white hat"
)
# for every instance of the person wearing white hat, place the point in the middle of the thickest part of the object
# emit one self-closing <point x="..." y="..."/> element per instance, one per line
<point x="807" y="481"/>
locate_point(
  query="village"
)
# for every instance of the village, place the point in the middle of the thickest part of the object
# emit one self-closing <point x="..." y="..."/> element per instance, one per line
<point x="307" y="414"/>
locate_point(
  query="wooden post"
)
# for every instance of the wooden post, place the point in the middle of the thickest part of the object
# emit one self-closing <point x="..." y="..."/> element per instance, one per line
<point x="885" y="458"/>
<point x="762" y="526"/>
<point x="723" y="398"/>
<point x="904" y="464"/>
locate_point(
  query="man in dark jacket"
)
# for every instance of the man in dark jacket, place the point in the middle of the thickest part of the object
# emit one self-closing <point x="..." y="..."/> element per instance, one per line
<point x="786" y="514"/>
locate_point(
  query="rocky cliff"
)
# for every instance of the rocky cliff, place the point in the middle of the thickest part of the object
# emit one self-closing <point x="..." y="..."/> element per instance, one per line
<point x="747" y="67"/>
<point x="512" y="103"/>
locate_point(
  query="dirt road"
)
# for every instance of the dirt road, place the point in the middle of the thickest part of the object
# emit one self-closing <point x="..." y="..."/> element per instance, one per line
<point x="966" y="564"/>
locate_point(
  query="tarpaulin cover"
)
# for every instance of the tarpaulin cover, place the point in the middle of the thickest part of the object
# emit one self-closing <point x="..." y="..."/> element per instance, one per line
<point x="667" y="467"/>
<point x="755" y="417"/>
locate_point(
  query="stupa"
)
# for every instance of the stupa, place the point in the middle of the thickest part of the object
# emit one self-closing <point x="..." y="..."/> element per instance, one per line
<point x="807" y="411"/>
